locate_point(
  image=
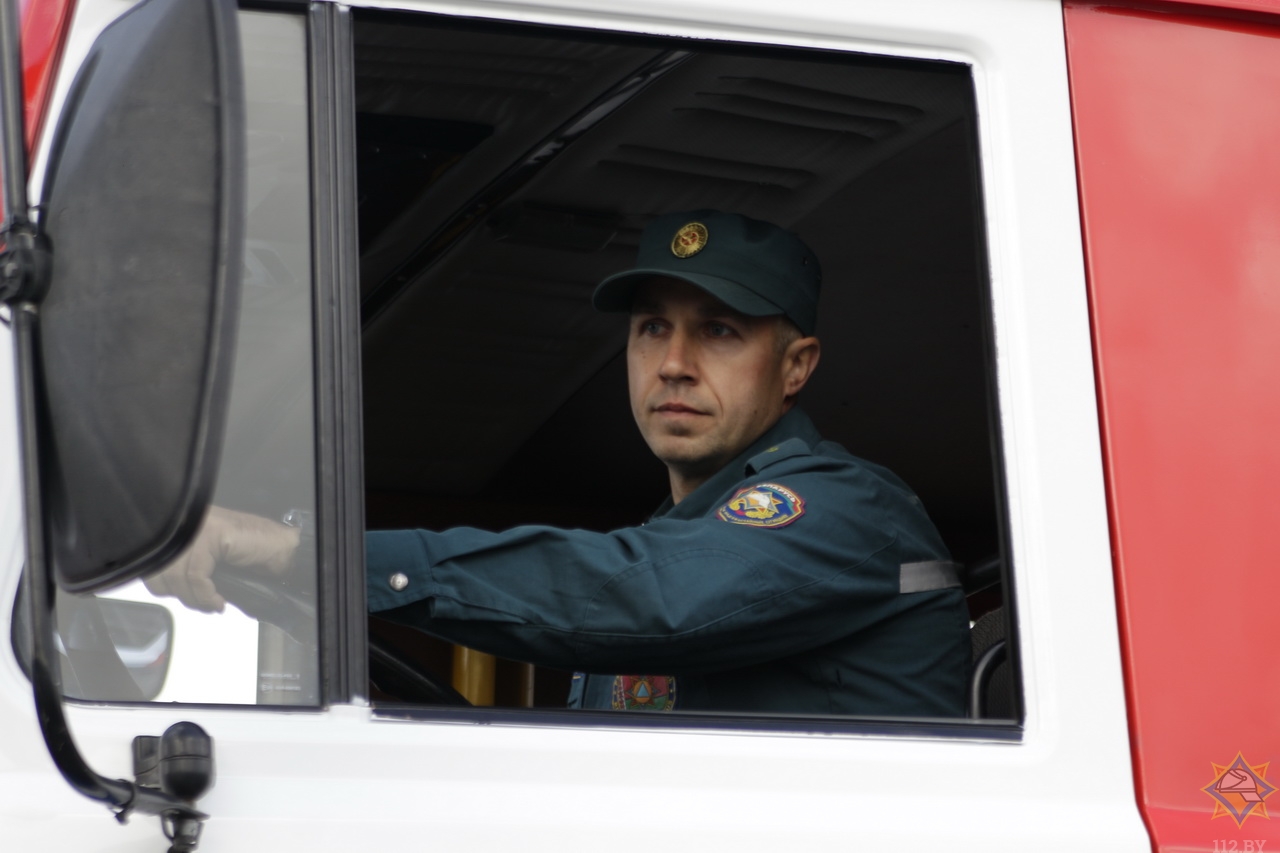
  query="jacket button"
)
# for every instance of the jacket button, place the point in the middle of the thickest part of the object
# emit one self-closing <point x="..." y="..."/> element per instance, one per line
<point x="398" y="581"/>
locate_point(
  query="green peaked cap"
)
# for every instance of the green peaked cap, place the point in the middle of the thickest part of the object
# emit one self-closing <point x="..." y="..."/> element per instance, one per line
<point x="754" y="267"/>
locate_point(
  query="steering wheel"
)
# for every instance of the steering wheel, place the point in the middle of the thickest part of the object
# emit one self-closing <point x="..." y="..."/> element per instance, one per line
<point x="290" y="605"/>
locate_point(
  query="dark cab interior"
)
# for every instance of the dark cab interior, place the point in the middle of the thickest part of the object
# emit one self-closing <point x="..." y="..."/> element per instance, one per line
<point x="503" y="171"/>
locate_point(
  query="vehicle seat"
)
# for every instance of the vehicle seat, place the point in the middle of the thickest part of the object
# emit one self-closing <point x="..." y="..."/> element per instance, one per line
<point x="990" y="682"/>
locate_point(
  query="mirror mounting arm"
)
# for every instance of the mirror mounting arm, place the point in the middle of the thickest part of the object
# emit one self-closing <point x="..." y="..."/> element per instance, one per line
<point x="24" y="262"/>
<point x="24" y="265"/>
<point x="180" y="818"/>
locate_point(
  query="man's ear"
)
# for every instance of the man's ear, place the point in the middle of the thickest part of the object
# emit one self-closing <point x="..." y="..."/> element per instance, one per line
<point x="798" y="363"/>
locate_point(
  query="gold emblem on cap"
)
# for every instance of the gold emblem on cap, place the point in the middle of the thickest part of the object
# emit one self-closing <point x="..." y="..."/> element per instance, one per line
<point x="689" y="240"/>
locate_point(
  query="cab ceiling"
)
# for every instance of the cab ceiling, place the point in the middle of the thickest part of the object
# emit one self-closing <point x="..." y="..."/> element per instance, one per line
<point x="503" y="173"/>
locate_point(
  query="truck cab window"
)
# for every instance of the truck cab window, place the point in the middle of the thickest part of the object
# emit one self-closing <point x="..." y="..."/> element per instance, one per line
<point x="131" y="645"/>
<point x="504" y="171"/>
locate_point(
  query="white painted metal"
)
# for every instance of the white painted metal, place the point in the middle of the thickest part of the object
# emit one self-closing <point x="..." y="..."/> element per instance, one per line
<point x="343" y="780"/>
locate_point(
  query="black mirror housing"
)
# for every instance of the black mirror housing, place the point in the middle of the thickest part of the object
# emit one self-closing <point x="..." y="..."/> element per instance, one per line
<point x="144" y="215"/>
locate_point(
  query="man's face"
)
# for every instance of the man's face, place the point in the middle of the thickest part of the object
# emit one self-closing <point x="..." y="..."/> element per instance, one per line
<point x="705" y="380"/>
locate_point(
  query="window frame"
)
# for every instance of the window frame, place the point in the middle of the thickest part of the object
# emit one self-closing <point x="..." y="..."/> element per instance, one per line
<point x="339" y="441"/>
<point x="995" y="730"/>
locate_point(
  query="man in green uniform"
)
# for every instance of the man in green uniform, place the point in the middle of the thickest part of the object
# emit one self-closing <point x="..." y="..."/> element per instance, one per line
<point x="782" y="574"/>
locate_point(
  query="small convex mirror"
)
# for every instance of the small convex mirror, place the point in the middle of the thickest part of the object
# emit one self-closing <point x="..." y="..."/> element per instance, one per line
<point x="143" y="209"/>
<point x="114" y="650"/>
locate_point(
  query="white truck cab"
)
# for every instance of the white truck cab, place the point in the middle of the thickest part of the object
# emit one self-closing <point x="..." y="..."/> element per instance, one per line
<point x="330" y="264"/>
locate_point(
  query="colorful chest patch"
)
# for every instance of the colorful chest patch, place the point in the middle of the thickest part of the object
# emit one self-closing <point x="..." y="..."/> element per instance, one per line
<point x="644" y="693"/>
<point x="764" y="505"/>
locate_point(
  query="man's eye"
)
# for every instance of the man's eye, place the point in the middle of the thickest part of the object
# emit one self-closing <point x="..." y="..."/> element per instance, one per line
<point x="650" y="327"/>
<point x="719" y="330"/>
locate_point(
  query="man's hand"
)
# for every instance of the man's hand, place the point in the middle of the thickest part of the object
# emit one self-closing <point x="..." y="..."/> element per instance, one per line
<point x="231" y="538"/>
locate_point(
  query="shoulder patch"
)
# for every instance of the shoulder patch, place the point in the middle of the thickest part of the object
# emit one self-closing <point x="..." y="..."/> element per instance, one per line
<point x="763" y="505"/>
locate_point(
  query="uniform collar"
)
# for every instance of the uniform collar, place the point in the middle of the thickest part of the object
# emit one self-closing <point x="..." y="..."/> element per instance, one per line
<point x="793" y="424"/>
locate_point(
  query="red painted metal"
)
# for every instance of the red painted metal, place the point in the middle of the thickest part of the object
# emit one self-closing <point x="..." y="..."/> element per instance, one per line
<point x="1271" y="7"/>
<point x="44" y="30"/>
<point x="1178" y="146"/>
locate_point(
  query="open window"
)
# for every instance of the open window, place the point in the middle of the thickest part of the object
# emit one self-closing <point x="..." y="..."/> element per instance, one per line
<point x="128" y="645"/>
<point x="503" y="171"/>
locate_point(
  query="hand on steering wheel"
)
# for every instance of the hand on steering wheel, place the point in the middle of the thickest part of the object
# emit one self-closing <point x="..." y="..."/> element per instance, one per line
<point x="226" y="538"/>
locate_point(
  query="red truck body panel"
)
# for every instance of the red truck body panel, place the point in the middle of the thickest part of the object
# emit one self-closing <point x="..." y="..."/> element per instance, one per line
<point x="44" y="31"/>
<point x="1177" y="134"/>
<point x="1269" y="7"/>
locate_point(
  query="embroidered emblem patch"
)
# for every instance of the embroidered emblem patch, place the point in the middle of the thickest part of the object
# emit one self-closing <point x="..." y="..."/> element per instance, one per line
<point x="644" y="693"/>
<point x="689" y="240"/>
<point x="765" y="505"/>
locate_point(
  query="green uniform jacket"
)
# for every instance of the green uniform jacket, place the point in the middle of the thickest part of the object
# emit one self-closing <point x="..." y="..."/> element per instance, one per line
<point x="774" y="587"/>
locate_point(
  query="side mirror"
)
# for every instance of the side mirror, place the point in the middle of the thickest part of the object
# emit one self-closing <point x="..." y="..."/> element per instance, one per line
<point x="122" y="307"/>
<point x="115" y="650"/>
<point x="142" y="636"/>
<point x="143" y="212"/>
<point x="107" y="650"/>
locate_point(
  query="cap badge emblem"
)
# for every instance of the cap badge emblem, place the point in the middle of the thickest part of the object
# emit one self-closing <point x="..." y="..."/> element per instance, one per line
<point x="689" y="240"/>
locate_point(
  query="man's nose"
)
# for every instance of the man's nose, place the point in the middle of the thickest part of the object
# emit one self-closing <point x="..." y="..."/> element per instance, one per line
<point x="678" y="361"/>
